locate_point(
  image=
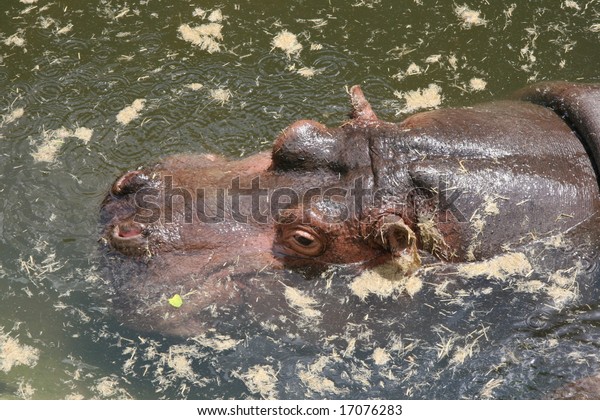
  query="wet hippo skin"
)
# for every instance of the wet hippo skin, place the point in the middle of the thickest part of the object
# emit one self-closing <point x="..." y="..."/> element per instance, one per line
<point x="446" y="185"/>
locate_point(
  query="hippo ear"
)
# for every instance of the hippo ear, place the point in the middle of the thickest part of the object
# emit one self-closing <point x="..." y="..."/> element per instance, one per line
<point x="401" y="242"/>
<point x="361" y="108"/>
<point x="396" y="236"/>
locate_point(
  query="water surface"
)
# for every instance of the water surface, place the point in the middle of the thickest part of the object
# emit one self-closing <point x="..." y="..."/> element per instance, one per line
<point x="89" y="90"/>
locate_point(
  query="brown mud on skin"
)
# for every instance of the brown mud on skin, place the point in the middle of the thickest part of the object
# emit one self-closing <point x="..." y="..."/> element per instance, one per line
<point x="459" y="223"/>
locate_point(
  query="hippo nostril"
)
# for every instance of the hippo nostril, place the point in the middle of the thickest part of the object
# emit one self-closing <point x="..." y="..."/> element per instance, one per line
<point x="128" y="230"/>
<point x="129" y="183"/>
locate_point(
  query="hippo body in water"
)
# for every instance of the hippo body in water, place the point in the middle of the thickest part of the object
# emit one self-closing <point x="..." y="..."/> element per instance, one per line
<point x="449" y="185"/>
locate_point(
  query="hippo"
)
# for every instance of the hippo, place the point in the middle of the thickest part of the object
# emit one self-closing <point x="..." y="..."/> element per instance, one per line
<point x="443" y="186"/>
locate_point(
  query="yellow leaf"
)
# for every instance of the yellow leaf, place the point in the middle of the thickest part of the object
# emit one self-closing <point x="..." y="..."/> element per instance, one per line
<point x="176" y="301"/>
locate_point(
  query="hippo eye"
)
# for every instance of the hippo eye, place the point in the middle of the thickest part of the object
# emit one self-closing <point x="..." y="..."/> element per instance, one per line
<point x="305" y="242"/>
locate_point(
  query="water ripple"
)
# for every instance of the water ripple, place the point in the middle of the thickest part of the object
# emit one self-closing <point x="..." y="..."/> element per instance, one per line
<point x="47" y="90"/>
<point x="333" y="63"/>
<point x="272" y="65"/>
<point x="102" y="53"/>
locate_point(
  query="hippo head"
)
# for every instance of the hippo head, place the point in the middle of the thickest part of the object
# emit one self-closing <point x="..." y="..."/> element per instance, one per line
<point x="309" y="203"/>
<point x="450" y="184"/>
<point x="203" y="226"/>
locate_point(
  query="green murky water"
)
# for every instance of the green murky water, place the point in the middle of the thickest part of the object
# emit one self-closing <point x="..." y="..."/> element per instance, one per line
<point x="90" y="89"/>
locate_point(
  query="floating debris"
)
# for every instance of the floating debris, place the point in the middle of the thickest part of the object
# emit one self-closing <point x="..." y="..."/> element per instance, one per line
<point x="122" y="13"/>
<point x="14" y="115"/>
<point x="108" y="387"/>
<point x="312" y="377"/>
<point x="381" y="357"/>
<point x="54" y="139"/>
<point x="205" y="36"/>
<point x="12" y="353"/>
<point x="131" y="112"/>
<point x="476" y="84"/>
<point x="46" y="22"/>
<point x="218" y="342"/>
<point x="307" y="72"/>
<point x="15" y="40"/>
<point x="302" y="303"/>
<point x="199" y="12"/>
<point x="287" y="42"/>
<point x="572" y="4"/>
<point x="82" y="133"/>
<point x="433" y="58"/>
<point x="488" y="389"/>
<point x="490" y="206"/>
<point x="563" y="288"/>
<point x="195" y="86"/>
<point x="221" y="96"/>
<point x="385" y="281"/>
<point x="500" y="267"/>
<point x="412" y="70"/>
<point x="261" y="380"/>
<point x="65" y="29"/>
<point x="25" y="390"/>
<point x="429" y="97"/>
<point x="215" y="16"/>
<point x="469" y="17"/>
